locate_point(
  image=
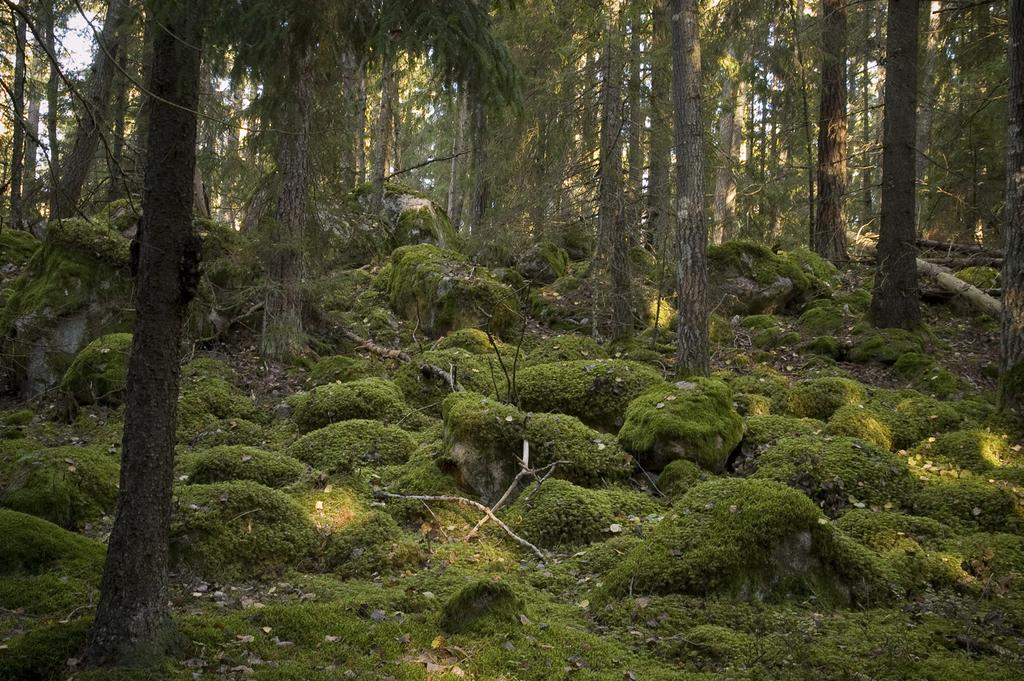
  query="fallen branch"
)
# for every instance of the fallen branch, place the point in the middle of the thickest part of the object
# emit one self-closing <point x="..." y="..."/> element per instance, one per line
<point x="462" y="501"/>
<point x="432" y="371"/>
<point x="954" y="247"/>
<point x="958" y="263"/>
<point x="428" y="370"/>
<point x="972" y="294"/>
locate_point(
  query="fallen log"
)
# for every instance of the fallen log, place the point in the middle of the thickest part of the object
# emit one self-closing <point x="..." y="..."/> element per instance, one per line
<point x="956" y="263"/>
<point x="955" y="247"/>
<point x="978" y="299"/>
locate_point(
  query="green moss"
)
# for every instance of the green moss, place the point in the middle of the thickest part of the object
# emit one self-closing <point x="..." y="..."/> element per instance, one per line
<point x="441" y="291"/>
<point x="756" y="261"/>
<point x="764" y="430"/>
<point x="826" y="346"/>
<point x="679" y="476"/>
<point x="343" y="447"/>
<point x="990" y="557"/>
<point x="760" y="322"/>
<point x="822" y="319"/>
<point x="974" y="450"/>
<point x="748" y="278"/>
<point x="860" y="422"/>
<point x="823" y="275"/>
<point x="474" y="341"/>
<point x="984" y="278"/>
<point x="752" y="405"/>
<point x="237" y="462"/>
<point x="911" y="416"/>
<point x="99" y="371"/>
<point x="205" y="400"/>
<point x="836" y="473"/>
<point x="13" y="423"/>
<point x="474" y="372"/>
<point x="33" y="546"/>
<point x="692" y="420"/>
<point x="17" y="247"/>
<point x="565" y="348"/>
<point x="69" y="486"/>
<point x="338" y="368"/>
<point x="752" y="539"/>
<point x="240" y="528"/>
<point x="369" y="546"/>
<point x="231" y="431"/>
<point x="43" y="653"/>
<point x="885" y="345"/>
<point x="479" y="604"/>
<point x="595" y="391"/>
<point x="819" y="398"/>
<point x="207" y="367"/>
<point x="926" y="375"/>
<point x="365" y="398"/>
<point x="761" y="380"/>
<point x="967" y="502"/>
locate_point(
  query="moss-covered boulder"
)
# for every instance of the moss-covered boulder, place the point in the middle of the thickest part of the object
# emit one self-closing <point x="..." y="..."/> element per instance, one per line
<point x="911" y="416"/>
<point x="559" y="513"/>
<point x="75" y="288"/>
<point x="565" y="348"/>
<point x="823" y="317"/>
<point x="861" y="422"/>
<point x="750" y="539"/>
<point x="747" y="278"/>
<point x="885" y="346"/>
<point x="343" y="447"/>
<point x="207" y="402"/>
<point x="481" y="604"/>
<point x="837" y="473"/>
<point x="441" y="291"/>
<point x="238" y="462"/>
<point x="483" y="440"/>
<point x="692" y="420"/>
<point x="976" y="450"/>
<point x="423" y="388"/>
<point x="238" y="529"/>
<point x="543" y="262"/>
<point x="68" y="486"/>
<point x="923" y="373"/>
<point x="33" y="546"/>
<point x="365" y="398"/>
<point x="968" y="502"/>
<point x="99" y="371"/>
<point x="595" y="391"/>
<point x="762" y="431"/>
<point x="474" y="341"/>
<point x="819" y="398"/>
<point x="679" y="476"/>
<point x="760" y="380"/>
<point x="371" y="546"/>
<point x="338" y="368"/>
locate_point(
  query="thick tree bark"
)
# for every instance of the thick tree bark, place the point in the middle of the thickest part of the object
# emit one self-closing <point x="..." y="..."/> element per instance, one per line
<point x="87" y="138"/>
<point x="18" y="132"/>
<point x="282" y="312"/>
<point x="828" y="239"/>
<point x="1011" y="380"/>
<point x="927" y="100"/>
<point x="133" y="624"/>
<point x="894" y="302"/>
<point x="612" y="252"/>
<point x="692" y="352"/>
<point x="659" y="142"/>
<point x="796" y="12"/>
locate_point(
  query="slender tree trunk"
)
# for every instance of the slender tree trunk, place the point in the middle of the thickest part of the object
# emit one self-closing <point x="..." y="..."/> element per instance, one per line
<point x="480" y="195"/>
<point x="729" y="127"/>
<point x="635" y="123"/>
<point x="382" y="133"/>
<point x="1011" y="380"/>
<point x="454" y="207"/>
<point x="282" y="312"/>
<point x="660" y="137"/>
<point x="692" y="352"/>
<point x="927" y="100"/>
<point x="52" y="103"/>
<point x="867" y="174"/>
<point x="895" y="299"/>
<point x="612" y="252"/>
<point x="29" y="185"/>
<point x="797" y="12"/>
<point x="18" y="134"/>
<point x="394" y="98"/>
<point x="828" y="239"/>
<point x="115" y="189"/>
<point x="133" y="622"/>
<point x="360" y="131"/>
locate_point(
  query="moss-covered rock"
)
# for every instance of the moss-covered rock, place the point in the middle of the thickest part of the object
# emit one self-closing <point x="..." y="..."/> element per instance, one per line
<point x="543" y="262"/>
<point x="983" y="277"/>
<point x="822" y="317"/>
<point x="370" y="546"/>
<point x="42" y="654"/>
<point x="479" y="604"/>
<point x="441" y="291"/>
<point x="765" y="430"/>
<point x="860" y="422"/>
<point x="885" y="345"/>
<point x="231" y="431"/>
<point x="475" y="372"/>
<point x="925" y="374"/>
<point x="559" y="513"/>
<point x="747" y="278"/>
<point x="751" y="539"/>
<point x="99" y="371"/>
<point x="979" y="451"/>
<point x="692" y="420"/>
<point x="595" y="391"/>
<point x="484" y="438"/>
<point x="819" y="398"/>
<point x="343" y="447"/>
<point x="206" y="401"/>
<point x="68" y="486"/>
<point x="33" y="546"/>
<point x="679" y="476"/>
<point x="238" y="462"/>
<point x="565" y="348"/>
<point x="968" y="501"/>
<point x="338" y="368"/>
<point x="837" y="473"/>
<point x="241" y="528"/>
<point x="911" y="416"/>
<point x="365" y="398"/>
<point x="760" y="380"/>
<point x="16" y="248"/>
<point x="474" y="341"/>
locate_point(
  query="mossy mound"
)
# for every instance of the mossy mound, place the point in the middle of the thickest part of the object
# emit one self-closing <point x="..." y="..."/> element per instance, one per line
<point x="819" y="398"/>
<point x="761" y="380"/>
<point x="885" y="346"/>
<point x="968" y="502"/>
<point x="206" y="398"/>
<point x="692" y="420"/>
<point x="823" y="317"/>
<point x="862" y="423"/>
<point x="748" y="278"/>
<point x="474" y="341"/>
<point x="679" y="476"/>
<point x="33" y="546"/>
<point x="236" y="529"/>
<point x="365" y="398"/>
<point x="475" y="372"/>
<point x="232" y="431"/>
<point x="765" y="430"/>
<point x="911" y="416"/>
<point x="483" y="440"/>
<point x="595" y="391"/>
<point x="826" y="346"/>
<point x="925" y="374"/>
<point x="837" y="472"/>
<point x="559" y="513"/>
<point x="983" y="277"/>
<point x="441" y="291"/>
<point x="69" y="486"/>
<point x="481" y="604"/>
<point x="974" y="450"/>
<point x="338" y="368"/>
<point x="237" y="462"/>
<point x="990" y="556"/>
<point x="343" y="447"/>
<point x="750" y="539"/>
<point x="543" y="262"/>
<point x="99" y="371"/>
<point x="16" y="248"/>
<point x="42" y="654"/>
<point x="565" y="348"/>
<point x="370" y="546"/>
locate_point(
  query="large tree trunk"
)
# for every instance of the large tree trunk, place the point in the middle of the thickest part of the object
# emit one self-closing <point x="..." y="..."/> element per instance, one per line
<point x="659" y="142"/>
<point x="455" y="196"/>
<point x="133" y="623"/>
<point x="894" y="302"/>
<point x="282" y="312"/>
<point x="692" y="352"/>
<point x="796" y="14"/>
<point x="97" y="101"/>
<point x="1011" y="378"/>
<point x="612" y="252"/>
<point x="927" y="101"/>
<point x="867" y="173"/>
<point x="480" y="194"/>
<point x="18" y="134"/>
<point x="52" y="103"/>
<point x="828" y="239"/>
<point x="635" y="123"/>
